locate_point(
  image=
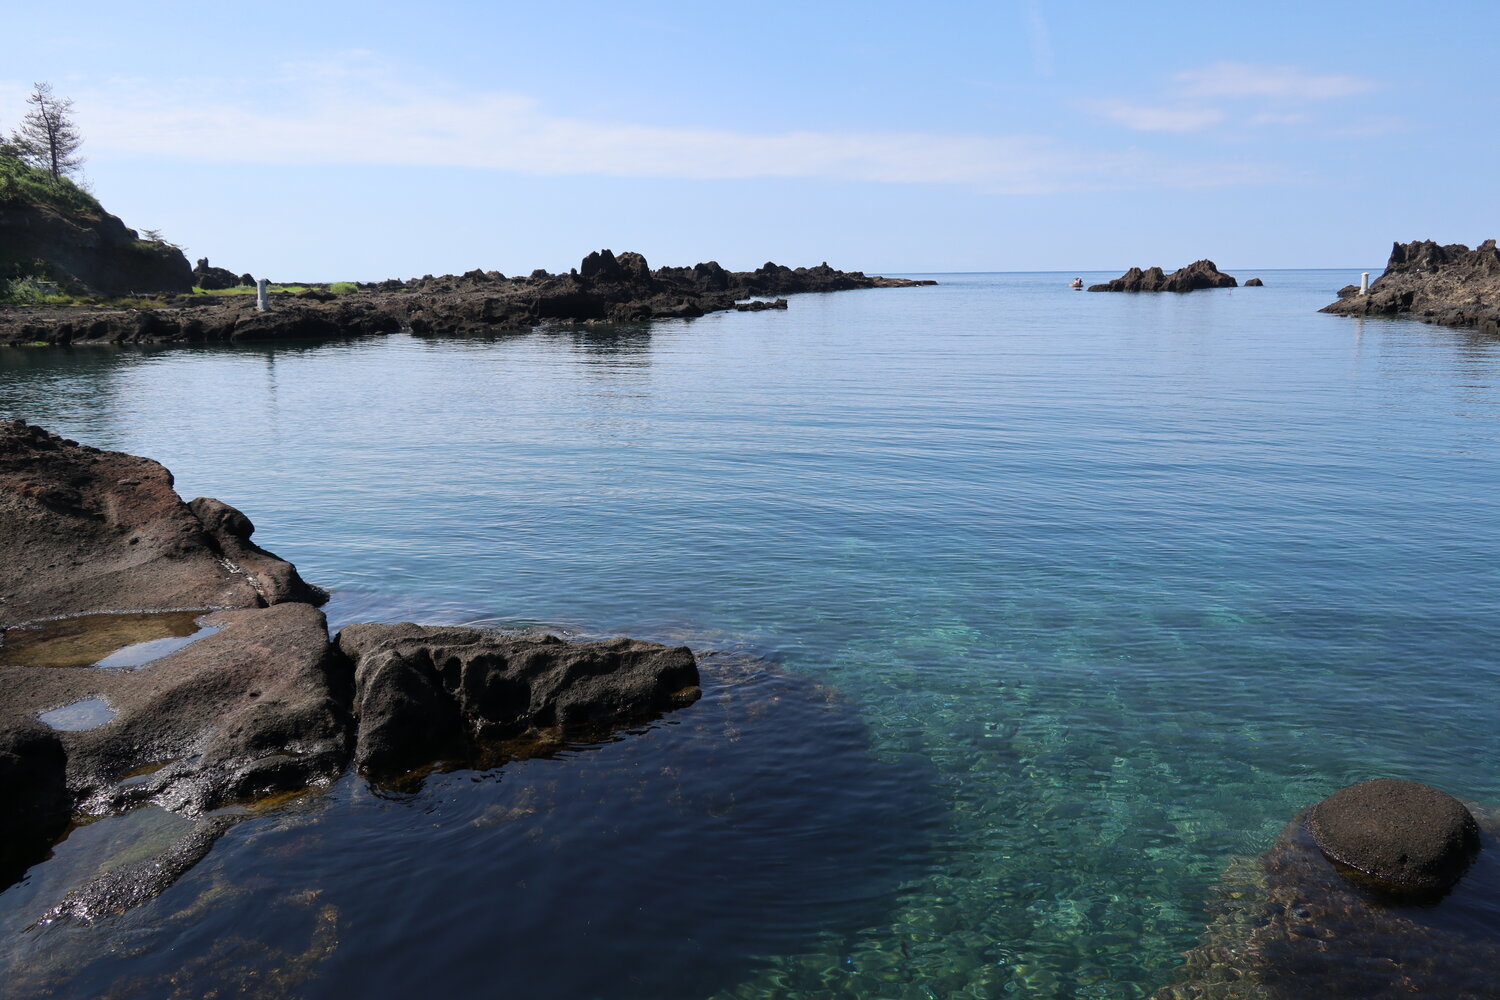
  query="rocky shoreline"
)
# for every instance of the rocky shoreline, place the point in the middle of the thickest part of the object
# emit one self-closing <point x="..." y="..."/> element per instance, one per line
<point x="1447" y="285"/>
<point x="604" y="288"/>
<point x="1197" y="275"/>
<point x="256" y="702"/>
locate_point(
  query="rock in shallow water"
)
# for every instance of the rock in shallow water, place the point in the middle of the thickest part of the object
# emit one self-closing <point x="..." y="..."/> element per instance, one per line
<point x="1407" y="837"/>
<point x="426" y="693"/>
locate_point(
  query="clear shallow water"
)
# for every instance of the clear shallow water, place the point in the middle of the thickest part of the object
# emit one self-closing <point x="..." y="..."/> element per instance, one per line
<point x="1122" y="581"/>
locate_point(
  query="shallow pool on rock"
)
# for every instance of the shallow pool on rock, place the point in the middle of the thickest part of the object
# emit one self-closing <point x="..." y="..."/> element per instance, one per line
<point x="111" y="640"/>
<point x="89" y="713"/>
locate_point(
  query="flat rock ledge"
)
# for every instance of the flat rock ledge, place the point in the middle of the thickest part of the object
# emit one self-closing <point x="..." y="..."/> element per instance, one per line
<point x="259" y="702"/>
<point x="604" y="288"/>
<point x="1447" y="285"/>
<point x="1197" y="275"/>
<point x="1300" y="922"/>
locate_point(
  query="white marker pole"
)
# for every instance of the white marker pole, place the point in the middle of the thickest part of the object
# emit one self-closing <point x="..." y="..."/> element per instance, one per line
<point x="1364" y="283"/>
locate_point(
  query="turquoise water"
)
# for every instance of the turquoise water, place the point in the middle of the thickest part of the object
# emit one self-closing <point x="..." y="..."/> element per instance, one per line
<point x="1096" y="589"/>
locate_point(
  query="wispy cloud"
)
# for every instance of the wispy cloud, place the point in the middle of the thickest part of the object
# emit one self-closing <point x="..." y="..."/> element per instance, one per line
<point x="1040" y="37"/>
<point x="1236" y="80"/>
<point x="1149" y="118"/>
<point x="348" y="111"/>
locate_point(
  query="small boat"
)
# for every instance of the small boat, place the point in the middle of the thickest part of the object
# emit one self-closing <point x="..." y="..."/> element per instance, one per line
<point x="1076" y="283"/>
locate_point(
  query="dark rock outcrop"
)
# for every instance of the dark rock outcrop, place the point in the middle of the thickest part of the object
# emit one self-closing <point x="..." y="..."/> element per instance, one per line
<point x="1291" y="925"/>
<point x="211" y="279"/>
<point x="423" y="694"/>
<point x="1402" y="835"/>
<point x="1449" y="285"/>
<point x="87" y="250"/>
<point x="1197" y="275"/>
<point x="760" y="305"/>
<point x="605" y="289"/>
<point x="87" y="530"/>
<point x="33" y="774"/>
<point x="1255" y="283"/>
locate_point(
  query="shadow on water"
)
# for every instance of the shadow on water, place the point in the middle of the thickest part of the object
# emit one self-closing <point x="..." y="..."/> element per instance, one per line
<point x="670" y="860"/>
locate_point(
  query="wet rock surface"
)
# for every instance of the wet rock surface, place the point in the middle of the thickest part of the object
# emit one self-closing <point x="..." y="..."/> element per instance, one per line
<point x="86" y="530"/>
<point x="1403" y="836"/>
<point x="33" y="774"/>
<point x="1292" y="925"/>
<point x="1198" y="275"/>
<point x="604" y="289"/>
<point x="424" y="693"/>
<point x="1449" y="285"/>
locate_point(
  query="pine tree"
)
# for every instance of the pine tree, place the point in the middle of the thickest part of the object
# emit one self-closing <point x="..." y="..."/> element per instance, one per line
<point x="47" y="138"/>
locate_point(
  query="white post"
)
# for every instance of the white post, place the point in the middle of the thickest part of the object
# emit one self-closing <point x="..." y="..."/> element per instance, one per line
<point x="1364" y="282"/>
<point x="263" y="298"/>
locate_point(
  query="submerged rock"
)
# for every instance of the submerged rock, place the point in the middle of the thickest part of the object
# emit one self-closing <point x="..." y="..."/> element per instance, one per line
<point x="86" y="530"/>
<point x="1405" y="836"/>
<point x="33" y="773"/>
<point x="1450" y="285"/>
<point x="1293" y="925"/>
<point x="1197" y="275"/>
<point x="425" y="693"/>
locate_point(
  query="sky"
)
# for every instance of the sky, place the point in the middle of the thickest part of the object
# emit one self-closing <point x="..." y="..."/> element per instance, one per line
<point x="331" y="141"/>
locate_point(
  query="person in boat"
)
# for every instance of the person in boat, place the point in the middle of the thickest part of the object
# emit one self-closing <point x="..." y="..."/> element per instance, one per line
<point x="1076" y="283"/>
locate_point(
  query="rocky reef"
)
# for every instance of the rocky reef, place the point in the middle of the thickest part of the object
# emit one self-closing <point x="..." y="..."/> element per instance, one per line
<point x="1379" y="891"/>
<point x="255" y="700"/>
<point x="1197" y="275"/>
<point x="604" y="288"/>
<point x="1448" y="285"/>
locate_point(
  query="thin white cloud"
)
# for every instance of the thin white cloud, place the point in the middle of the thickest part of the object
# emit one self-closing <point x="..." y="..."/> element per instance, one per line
<point x="1236" y="80"/>
<point x="349" y="112"/>
<point x="1041" y="39"/>
<point x="1153" y="118"/>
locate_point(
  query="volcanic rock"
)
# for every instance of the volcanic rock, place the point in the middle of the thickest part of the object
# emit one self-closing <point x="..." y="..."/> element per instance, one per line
<point x="86" y="530"/>
<point x="37" y="805"/>
<point x="212" y="279"/>
<point x="1449" y="285"/>
<point x="427" y="693"/>
<point x="1197" y="275"/>
<point x="1255" y="283"/>
<point x="1406" y="836"/>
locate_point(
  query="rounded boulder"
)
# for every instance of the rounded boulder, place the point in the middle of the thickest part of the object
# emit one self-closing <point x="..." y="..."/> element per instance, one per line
<point x="1405" y="836"/>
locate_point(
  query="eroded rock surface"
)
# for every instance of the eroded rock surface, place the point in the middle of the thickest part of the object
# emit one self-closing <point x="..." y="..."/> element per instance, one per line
<point x="1450" y="285"/>
<point x="605" y="288"/>
<point x="428" y="693"/>
<point x="88" y="530"/>
<point x="1197" y="275"/>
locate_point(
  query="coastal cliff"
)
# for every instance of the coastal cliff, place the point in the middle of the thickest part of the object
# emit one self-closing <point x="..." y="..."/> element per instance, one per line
<point x="1448" y="285"/>
<point x="55" y="231"/>
<point x="605" y="288"/>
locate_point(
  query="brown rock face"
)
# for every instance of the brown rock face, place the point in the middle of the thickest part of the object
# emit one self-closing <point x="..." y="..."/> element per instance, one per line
<point x="87" y="530"/>
<point x="425" y="693"/>
<point x="1407" y="837"/>
<point x="1450" y="285"/>
<point x="89" y="251"/>
<point x="1197" y="275"/>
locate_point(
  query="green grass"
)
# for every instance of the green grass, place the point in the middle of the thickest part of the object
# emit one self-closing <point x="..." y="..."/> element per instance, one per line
<point x="23" y="184"/>
<point x="249" y="289"/>
<point x="343" y="287"/>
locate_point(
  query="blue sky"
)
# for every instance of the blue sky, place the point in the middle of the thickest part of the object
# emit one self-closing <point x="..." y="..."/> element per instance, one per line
<point x="329" y="141"/>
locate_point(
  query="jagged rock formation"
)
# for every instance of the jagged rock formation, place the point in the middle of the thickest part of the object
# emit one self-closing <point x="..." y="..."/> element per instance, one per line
<point x="1449" y="285"/>
<point x="210" y="278"/>
<point x="423" y="694"/>
<point x="77" y="243"/>
<point x="1197" y="275"/>
<point x="605" y="289"/>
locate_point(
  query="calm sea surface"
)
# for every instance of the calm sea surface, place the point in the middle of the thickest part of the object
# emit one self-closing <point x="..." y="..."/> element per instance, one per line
<point x="1027" y="610"/>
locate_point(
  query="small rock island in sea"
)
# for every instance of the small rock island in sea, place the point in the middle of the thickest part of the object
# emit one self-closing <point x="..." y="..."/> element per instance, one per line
<point x="1448" y="285"/>
<point x="237" y="692"/>
<point x="1199" y="274"/>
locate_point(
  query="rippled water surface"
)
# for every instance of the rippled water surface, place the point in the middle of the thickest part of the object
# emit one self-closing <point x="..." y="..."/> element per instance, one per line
<point x="1070" y="598"/>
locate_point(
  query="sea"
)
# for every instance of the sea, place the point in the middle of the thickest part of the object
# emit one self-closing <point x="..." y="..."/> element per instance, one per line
<point x="1023" y="612"/>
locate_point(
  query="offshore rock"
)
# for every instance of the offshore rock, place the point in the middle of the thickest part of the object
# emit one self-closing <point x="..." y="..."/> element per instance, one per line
<point x="87" y="530"/>
<point x="1405" y="836"/>
<point x="1291" y="925"/>
<point x="605" y="288"/>
<point x="1197" y="275"/>
<point x="423" y="694"/>
<point x="1449" y="285"/>
<point x="1255" y="283"/>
